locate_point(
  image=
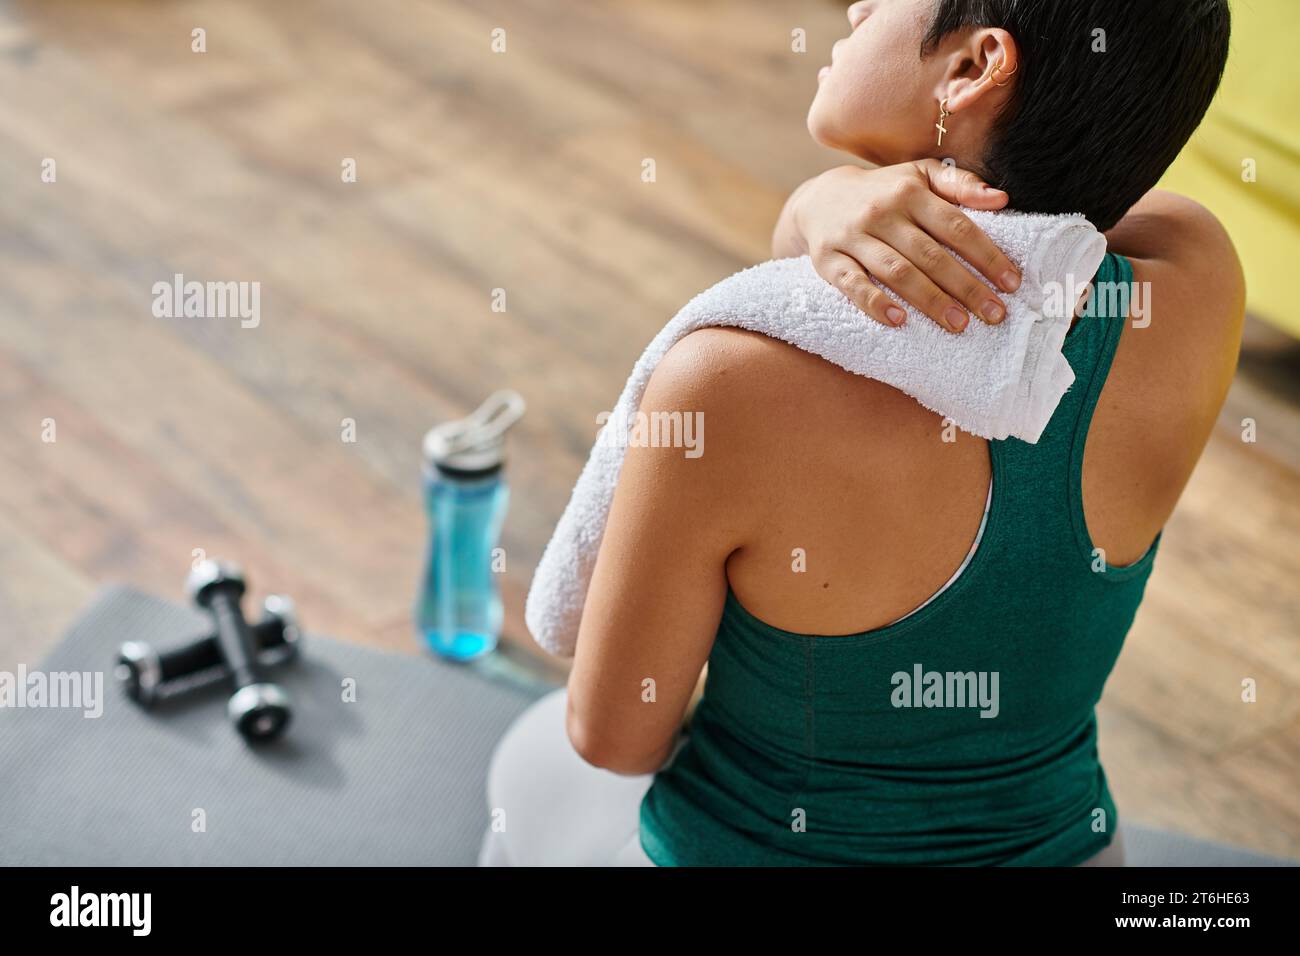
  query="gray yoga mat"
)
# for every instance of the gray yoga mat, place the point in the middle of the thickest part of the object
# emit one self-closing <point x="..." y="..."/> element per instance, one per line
<point x="396" y="777"/>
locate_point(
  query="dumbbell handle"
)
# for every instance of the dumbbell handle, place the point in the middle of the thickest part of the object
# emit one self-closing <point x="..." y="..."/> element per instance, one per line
<point x="260" y="711"/>
<point x="204" y="654"/>
<point x="234" y="638"/>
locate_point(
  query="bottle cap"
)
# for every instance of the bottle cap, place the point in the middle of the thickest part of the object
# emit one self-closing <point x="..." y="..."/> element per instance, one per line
<point x="476" y="442"/>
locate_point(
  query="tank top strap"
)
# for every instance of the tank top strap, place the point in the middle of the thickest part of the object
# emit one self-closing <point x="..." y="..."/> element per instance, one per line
<point x="1104" y="318"/>
<point x="1090" y="347"/>
<point x="1037" y="490"/>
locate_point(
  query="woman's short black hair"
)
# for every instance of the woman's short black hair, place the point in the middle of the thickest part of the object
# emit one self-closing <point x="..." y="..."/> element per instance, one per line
<point x="1107" y="93"/>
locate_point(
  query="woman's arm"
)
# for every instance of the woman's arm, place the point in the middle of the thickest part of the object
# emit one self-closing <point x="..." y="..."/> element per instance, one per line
<point x="659" y="584"/>
<point x="893" y="223"/>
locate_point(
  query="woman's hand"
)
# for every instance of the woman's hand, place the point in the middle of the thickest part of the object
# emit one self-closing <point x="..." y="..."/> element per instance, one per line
<point x="893" y="223"/>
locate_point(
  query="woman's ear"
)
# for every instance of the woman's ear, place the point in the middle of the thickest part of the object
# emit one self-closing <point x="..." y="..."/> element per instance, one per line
<point x="984" y="64"/>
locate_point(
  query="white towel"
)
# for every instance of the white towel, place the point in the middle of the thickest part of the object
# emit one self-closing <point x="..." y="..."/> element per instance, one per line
<point x="993" y="381"/>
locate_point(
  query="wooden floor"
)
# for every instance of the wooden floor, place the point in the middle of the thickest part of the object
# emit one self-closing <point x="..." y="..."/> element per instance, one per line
<point x="479" y="171"/>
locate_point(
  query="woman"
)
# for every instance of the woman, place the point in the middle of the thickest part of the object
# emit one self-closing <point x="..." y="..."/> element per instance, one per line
<point x="906" y="628"/>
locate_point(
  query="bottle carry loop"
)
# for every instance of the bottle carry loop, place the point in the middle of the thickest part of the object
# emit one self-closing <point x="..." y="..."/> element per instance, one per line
<point x="476" y="442"/>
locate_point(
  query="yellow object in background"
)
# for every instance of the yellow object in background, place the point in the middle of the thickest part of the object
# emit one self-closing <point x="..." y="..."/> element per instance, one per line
<point x="1244" y="162"/>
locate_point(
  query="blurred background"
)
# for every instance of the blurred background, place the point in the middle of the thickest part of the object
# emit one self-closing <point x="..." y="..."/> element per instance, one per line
<point x="522" y="171"/>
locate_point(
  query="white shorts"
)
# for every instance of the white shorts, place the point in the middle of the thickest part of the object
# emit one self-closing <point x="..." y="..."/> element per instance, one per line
<point x="549" y="807"/>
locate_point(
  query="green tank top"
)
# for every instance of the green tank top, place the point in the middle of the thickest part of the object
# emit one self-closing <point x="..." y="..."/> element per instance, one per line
<point x="962" y="734"/>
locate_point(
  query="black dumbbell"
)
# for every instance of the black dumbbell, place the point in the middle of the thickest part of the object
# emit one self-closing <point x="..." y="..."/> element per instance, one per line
<point x="149" y="675"/>
<point x="258" y="709"/>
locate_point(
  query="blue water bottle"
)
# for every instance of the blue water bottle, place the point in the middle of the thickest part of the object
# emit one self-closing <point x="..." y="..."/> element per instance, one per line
<point x="459" y="610"/>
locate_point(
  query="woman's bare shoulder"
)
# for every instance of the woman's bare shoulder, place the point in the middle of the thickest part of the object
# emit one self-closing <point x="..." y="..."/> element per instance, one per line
<point x="773" y="382"/>
<point x="1179" y="347"/>
<point x="771" y="408"/>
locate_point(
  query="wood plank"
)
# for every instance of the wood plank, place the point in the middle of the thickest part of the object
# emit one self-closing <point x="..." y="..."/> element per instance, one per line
<point x="1157" y="782"/>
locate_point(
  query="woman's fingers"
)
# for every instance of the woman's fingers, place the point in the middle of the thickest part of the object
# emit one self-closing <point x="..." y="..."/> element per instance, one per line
<point x="950" y="227"/>
<point x="960" y="186"/>
<point x="896" y="270"/>
<point x="947" y="273"/>
<point x="957" y="231"/>
<point x="847" y="274"/>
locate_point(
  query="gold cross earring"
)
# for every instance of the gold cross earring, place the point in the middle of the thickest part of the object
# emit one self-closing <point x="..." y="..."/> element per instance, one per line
<point x="943" y="114"/>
